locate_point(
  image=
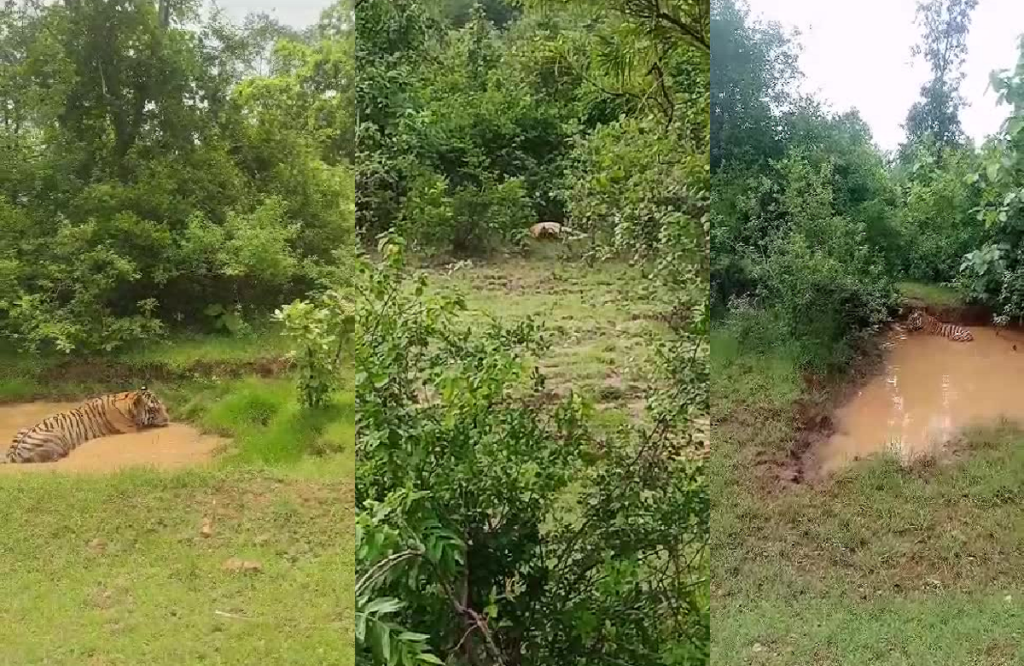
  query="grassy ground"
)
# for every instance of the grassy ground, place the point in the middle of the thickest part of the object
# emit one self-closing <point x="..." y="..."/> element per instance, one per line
<point x="881" y="565"/>
<point x="602" y="326"/>
<point x="117" y="569"/>
<point x="933" y="294"/>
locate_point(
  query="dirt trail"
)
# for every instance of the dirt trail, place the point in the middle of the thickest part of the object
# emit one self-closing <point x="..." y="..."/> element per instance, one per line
<point x="177" y="445"/>
<point x="930" y="390"/>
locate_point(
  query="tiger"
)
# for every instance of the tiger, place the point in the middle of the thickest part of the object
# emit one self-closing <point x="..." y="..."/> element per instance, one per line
<point x="56" y="436"/>
<point x="919" y="321"/>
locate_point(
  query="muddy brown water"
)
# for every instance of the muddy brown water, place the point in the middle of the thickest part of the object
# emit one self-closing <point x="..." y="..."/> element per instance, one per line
<point x="177" y="445"/>
<point x="930" y="391"/>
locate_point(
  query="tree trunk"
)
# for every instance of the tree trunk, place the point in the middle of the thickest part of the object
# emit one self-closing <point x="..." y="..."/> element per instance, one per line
<point x="165" y="13"/>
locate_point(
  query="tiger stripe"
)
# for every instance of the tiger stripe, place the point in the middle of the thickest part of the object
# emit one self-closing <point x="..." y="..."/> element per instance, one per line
<point x="920" y="321"/>
<point x="58" y="435"/>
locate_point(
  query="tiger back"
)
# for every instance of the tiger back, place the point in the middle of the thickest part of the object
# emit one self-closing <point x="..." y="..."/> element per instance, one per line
<point x="920" y="321"/>
<point x="58" y="435"/>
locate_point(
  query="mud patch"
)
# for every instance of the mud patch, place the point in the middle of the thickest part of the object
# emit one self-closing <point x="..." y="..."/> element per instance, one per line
<point x="929" y="391"/>
<point x="178" y="445"/>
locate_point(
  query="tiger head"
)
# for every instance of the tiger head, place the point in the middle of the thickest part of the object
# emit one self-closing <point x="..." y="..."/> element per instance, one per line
<point x="916" y="320"/>
<point x="149" y="411"/>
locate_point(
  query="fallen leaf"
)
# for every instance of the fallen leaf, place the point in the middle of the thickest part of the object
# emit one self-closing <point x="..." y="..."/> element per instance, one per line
<point x="207" y="529"/>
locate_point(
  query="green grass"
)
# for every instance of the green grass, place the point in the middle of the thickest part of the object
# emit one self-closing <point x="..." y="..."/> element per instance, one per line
<point x="267" y="424"/>
<point x="186" y="350"/>
<point x="932" y="294"/>
<point x="114" y="570"/>
<point x="601" y="327"/>
<point x="879" y="565"/>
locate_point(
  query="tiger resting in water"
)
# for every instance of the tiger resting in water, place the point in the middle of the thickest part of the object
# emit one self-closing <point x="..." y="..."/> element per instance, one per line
<point x="919" y="321"/>
<point x="56" y="436"/>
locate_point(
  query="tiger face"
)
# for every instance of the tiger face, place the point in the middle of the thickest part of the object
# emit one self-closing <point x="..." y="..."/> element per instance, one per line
<point x="916" y="320"/>
<point x="150" y="412"/>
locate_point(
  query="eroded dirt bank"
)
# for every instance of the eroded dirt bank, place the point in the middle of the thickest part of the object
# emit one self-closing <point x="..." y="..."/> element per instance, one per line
<point x="177" y="445"/>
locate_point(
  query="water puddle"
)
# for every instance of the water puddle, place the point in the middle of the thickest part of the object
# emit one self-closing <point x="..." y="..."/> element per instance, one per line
<point x="177" y="445"/>
<point x="931" y="390"/>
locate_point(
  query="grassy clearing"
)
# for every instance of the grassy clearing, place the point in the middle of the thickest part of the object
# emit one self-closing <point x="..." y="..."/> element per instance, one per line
<point x="933" y="294"/>
<point x="115" y="570"/>
<point x="880" y="565"/>
<point x="602" y="327"/>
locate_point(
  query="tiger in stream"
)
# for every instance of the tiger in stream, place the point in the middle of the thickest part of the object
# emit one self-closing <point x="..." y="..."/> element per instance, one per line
<point x="921" y="321"/>
<point x="56" y="436"/>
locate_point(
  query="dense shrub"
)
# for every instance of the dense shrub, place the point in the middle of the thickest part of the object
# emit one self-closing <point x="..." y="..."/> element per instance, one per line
<point x="938" y="214"/>
<point x="486" y="518"/>
<point x="161" y="173"/>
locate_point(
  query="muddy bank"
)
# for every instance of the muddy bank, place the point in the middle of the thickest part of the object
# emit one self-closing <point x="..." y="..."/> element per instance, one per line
<point x="813" y="414"/>
<point x="109" y="372"/>
<point x="965" y="315"/>
<point x="176" y="446"/>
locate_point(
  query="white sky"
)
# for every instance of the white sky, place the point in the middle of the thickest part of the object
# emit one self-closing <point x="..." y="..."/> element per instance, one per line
<point x="857" y="54"/>
<point x="295" y="13"/>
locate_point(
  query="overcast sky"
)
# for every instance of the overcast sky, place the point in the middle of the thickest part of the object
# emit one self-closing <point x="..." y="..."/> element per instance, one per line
<point x="857" y="54"/>
<point x="295" y="13"/>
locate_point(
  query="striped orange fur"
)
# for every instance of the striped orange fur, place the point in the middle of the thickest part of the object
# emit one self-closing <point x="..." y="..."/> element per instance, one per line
<point x="58" y="435"/>
<point x="920" y="321"/>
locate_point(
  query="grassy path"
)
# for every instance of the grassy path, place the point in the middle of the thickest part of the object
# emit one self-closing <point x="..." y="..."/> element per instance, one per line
<point x="602" y="328"/>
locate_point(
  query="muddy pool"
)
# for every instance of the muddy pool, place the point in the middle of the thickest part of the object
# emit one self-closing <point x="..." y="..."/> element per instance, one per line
<point x="931" y="389"/>
<point x="177" y="445"/>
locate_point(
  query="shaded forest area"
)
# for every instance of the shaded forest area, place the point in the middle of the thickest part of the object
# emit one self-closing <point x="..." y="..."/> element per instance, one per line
<point x="476" y="123"/>
<point x="500" y="518"/>
<point x="167" y="170"/>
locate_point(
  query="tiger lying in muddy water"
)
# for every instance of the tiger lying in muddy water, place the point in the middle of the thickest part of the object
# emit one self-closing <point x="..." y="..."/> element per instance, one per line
<point x="921" y="321"/>
<point x="58" y="435"/>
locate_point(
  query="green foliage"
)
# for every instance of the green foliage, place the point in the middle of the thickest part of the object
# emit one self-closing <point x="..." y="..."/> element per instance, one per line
<point x="640" y="190"/>
<point x="937" y="217"/>
<point x="754" y="72"/>
<point x="322" y="333"/>
<point x="810" y="222"/>
<point x="993" y="271"/>
<point x="492" y="520"/>
<point x="802" y="237"/>
<point x="467" y="133"/>
<point x="158" y="171"/>
<point x="945" y="25"/>
<point x="459" y="148"/>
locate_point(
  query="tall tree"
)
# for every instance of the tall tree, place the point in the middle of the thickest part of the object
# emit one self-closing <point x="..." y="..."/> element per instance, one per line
<point x="945" y="25"/>
<point x="754" y="72"/>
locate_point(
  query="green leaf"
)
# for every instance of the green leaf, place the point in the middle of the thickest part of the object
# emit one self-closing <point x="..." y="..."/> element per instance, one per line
<point x="383" y="606"/>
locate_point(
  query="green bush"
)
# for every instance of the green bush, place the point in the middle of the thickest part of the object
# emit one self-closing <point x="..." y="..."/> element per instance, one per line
<point x="484" y="511"/>
<point x="168" y="180"/>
